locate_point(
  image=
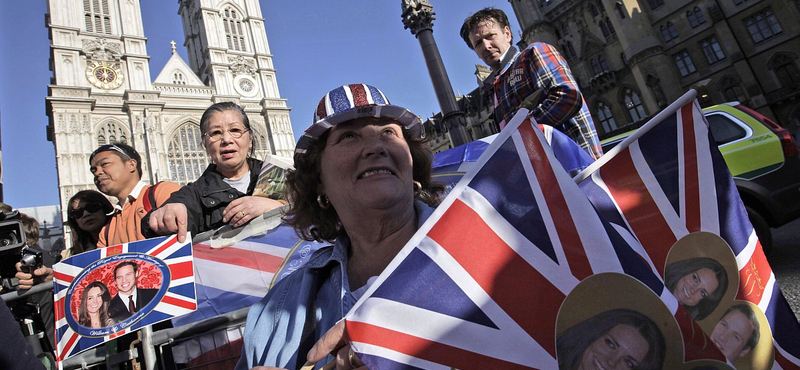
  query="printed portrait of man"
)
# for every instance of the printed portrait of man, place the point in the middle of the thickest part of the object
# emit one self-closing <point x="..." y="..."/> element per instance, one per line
<point x="129" y="298"/>
<point x="737" y="332"/>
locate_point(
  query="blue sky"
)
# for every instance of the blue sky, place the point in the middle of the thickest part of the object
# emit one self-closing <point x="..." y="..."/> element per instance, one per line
<point x="316" y="45"/>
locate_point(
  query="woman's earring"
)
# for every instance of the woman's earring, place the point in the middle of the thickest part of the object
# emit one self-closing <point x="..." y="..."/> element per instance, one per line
<point x="417" y="188"/>
<point x="323" y="202"/>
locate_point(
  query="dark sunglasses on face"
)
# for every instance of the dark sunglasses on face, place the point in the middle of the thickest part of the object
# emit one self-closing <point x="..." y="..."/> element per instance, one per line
<point x="91" y="208"/>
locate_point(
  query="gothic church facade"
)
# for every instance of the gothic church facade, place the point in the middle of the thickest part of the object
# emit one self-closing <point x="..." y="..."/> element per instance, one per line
<point x="102" y="91"/>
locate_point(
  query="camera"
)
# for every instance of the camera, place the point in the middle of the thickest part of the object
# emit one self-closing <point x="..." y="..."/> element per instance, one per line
<point x="12" y="243"/>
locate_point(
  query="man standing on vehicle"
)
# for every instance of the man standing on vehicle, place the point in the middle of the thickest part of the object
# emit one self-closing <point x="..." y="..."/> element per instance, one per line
<point x="516" y="76"/>
<point x="117" y="171"/>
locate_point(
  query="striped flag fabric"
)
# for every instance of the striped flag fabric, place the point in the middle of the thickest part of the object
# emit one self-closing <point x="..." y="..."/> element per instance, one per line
<point x="234" y="268"/>
<point x="163" y="264"/>
<point x="669" y="181"/>
<point x="481" y="283"/>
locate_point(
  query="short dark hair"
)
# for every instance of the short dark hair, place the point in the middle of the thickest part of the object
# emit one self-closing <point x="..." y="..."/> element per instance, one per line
<point x="748" y="312"/>
<point x="571" y="343"/>
<point x="225" y="106"/>
<point x="310" y="220"/>
<point x="484" y="15"/>
<point x="126" y="263"/>
<point x="123" y="151"/>
<point x="677" y="270"/>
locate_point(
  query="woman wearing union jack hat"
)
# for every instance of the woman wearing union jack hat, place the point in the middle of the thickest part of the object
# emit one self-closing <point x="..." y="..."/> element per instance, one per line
<point x="362" y="181"/>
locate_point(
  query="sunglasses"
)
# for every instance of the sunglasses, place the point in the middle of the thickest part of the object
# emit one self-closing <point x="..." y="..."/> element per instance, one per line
<point x="91" y="208"/>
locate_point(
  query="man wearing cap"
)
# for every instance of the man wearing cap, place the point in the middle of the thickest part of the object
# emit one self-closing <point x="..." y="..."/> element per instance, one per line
<point x="117" y="171"/>
<point x="517" y="76"/>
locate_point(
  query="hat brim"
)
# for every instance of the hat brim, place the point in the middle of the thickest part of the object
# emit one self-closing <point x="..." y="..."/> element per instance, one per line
<point x="410" y="121"/>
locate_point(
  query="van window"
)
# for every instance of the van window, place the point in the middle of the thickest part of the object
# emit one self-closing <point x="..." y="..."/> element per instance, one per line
<point x="723" y="129"/>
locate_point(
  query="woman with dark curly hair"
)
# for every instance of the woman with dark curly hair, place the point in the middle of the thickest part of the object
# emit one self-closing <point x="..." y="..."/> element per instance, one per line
<point x="698" y="284"/>
<point x="87" y="212"/>
<point x="362" y="181"/>
<point x="93" y="310"/>
<point x="615" y="339"/>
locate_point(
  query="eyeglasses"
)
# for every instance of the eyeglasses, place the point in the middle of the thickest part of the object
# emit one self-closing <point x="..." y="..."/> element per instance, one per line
<point x="216" y="135"/>
<point x="91" y="208"/>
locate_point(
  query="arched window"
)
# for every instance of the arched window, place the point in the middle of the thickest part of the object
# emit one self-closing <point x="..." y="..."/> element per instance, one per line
<point x="699" y="15"/>
<point x="603" y="63"/>
<point x="178" y="78"/>
<point x="672" y="30"/>
<point x="655" y="3"/>
<point x="732" y="89"/>
<point x="565" y="29"/>
<point x="692" y="18"/>
<point x="600" y="5"/>
<point x="785" y="69"/>
<point x="763" y="25"/>
<point x="594" y="11"/>
<point x="596" y="67"/>
<point x="712" y="50"/>
<point x="665" y="34"/>
<point x="610" y="26"/>
<point x="604" y="29"/>
<point x="186" y="156"/>
<point x="684" y="63"/>
<point x="605" y="117"/>
<point x="111" y="132"/>
<point x="634" y="105"/>
<point x="571" y="49"/>
<point x="234" y="30"/>
<point x="96" y="16"/>
<point x="620" y="10"/>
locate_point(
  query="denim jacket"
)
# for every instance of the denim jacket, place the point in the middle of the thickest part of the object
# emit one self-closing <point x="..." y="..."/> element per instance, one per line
<point x="299" y="309"/>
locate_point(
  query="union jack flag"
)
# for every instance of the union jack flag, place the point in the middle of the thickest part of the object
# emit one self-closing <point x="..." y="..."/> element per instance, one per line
<point x="672" y="181"/>
<point x="481" y="283"/>
<point x="164" y="264"/>
<point x="234" y="268"/>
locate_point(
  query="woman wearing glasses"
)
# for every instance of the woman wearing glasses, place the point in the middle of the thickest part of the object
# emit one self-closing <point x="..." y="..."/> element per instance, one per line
<point x="223" y="193"/>
<point x="88" y="211"/>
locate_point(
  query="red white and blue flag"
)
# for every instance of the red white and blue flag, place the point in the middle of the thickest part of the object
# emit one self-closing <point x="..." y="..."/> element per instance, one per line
<point x="236" y="272"/>
<point x="672" y="181"/>
<point x="164" y="265"/>
<point x="481" y="283"/>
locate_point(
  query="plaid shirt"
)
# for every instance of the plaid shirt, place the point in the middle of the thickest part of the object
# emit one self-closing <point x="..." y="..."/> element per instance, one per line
<point x="540" y="66"/>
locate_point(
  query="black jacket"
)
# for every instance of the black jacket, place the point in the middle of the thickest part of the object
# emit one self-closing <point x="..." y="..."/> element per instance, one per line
<point x="206" y="199"/>
<point x="118" y="309"/>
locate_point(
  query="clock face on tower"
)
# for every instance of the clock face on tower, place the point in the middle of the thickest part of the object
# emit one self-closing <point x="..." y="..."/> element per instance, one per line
<point x="104" y="75"/>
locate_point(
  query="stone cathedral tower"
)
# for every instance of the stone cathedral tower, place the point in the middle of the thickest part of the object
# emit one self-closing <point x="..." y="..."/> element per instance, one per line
<point x="102" y="92"/>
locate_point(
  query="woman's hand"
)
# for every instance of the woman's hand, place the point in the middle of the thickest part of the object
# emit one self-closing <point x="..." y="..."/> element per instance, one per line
<point x="244" y="209"/>
<point x="27" y="281"/>
<point x="334" y="342"/>
<point x="170" y="219"/>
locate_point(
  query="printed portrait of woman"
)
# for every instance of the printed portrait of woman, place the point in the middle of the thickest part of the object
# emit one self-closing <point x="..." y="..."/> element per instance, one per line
<point x="615" y="339"/>
<point x="700" y="272"/>
<point x="93" y="310"/>
<point x="613" y="321"/>
<point x="698" y="284"/>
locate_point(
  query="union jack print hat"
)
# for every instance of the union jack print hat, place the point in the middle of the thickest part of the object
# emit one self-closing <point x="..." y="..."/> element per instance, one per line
<point x="353" y="101"/>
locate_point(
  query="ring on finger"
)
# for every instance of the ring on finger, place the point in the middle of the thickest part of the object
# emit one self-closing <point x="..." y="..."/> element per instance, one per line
<point x="352" y="359"/>
<point x="244" y="213"/>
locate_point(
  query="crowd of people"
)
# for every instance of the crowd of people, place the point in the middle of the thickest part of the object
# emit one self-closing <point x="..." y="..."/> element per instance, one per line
<point x="362" y="183"/>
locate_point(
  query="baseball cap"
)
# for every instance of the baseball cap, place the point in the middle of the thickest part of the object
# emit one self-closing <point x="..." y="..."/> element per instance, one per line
<point x="349" y="102"/>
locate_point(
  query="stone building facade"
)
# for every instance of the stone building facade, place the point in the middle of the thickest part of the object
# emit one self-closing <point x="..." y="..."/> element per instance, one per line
<point x="633" y="57"/>
<point x="102" y="92"/>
